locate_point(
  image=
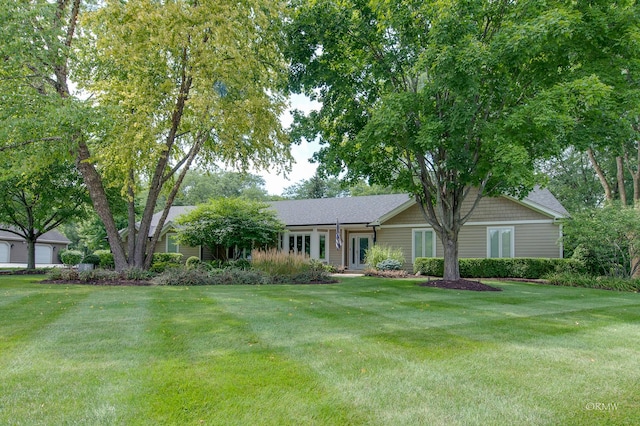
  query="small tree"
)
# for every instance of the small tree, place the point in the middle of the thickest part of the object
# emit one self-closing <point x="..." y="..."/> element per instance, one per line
<point x="230" y="222"/>
<point x="35" y="203"/>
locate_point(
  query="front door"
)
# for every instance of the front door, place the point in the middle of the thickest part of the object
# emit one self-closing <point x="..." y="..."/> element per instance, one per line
<point x="360" y="243"/>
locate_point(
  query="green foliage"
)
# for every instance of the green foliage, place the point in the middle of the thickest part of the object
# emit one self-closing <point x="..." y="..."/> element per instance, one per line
<point x="193" y="262"/>
<point x="230" y="222"/>
<point x="379" y="253"/>
<point x="168" y="257"/>
<point x="106" y="259"/>
<point x="38" y="201"/>
<point x="531" y="268"/>
<point x="389" y="265"/>
<point x="92" y="259"/>
<point x="590" y="281"/>
<point x="71" y="257"/>
<point x="163" y="261"/>
<point x="63" y="274"/>
<point x="183" y="277"/>
<point x="436" y="98"/>
<point x="386" y="273"/>
<point x="609" y="237"/>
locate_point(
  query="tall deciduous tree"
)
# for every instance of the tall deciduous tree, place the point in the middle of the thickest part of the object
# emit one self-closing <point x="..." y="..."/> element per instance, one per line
<point x="176" y="83"/>
<point x="31" y="205"/>
<point x="451" y="101"/>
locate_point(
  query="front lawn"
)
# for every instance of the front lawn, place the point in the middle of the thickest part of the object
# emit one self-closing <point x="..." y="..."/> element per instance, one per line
<point x="367" y="351"/>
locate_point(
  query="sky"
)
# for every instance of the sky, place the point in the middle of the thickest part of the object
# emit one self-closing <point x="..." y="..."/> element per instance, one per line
<point x="302" y="168"/>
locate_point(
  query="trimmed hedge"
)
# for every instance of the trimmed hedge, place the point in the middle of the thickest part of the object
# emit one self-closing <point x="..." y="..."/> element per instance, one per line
<point x="531" y="268"/>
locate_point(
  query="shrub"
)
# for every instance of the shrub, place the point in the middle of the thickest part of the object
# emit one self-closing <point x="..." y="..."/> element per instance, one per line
<point x="378" y="253"/>
<point x="136" y="274"/>
<point x="183" y="277"/>
<point x="164" y="261"/>
<point x="386" y="273"/>
<point x="531" y="268"/>
<point x="63" y="274"/>
<point x="71" y="257"/>
<point x="589" y="281"/>
<point x="231" y="276"/>
<point x="106" y="259"/>
<point x="91" y="259"/>
<point x="168" y="257"/>
<point x="97" y="275"/>
<point x="243" y="264"/>
<point x="389" y="265"/>
<point x="193" y="262"/>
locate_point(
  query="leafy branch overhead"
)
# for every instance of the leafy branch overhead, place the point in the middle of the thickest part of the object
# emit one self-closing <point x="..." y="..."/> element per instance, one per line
<point x="448" y="100"/>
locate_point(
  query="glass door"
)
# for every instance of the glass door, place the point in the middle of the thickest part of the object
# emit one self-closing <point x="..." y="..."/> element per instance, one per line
<point x="360" y="243"/>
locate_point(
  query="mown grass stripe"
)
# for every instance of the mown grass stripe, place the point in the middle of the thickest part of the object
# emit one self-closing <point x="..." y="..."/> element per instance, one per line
<point x="367" y="351"/>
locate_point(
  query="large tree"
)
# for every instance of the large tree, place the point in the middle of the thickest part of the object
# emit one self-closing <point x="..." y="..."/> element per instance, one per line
<point x="167" y="85"/>
<point x="451" y="101"/>
<point x="31" y="205"/>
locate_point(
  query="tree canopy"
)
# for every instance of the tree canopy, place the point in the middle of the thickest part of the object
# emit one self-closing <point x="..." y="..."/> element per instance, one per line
<point x="164" y="86"/>
<point x="33" y="204"/>
<point x="230" y="222"/>
<point x="451" y="101"/>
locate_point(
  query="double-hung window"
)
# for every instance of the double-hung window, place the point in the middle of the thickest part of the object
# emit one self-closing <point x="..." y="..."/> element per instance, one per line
<point x="500" y="242"/>
<point x="172" y="243"/>
<point x="424" y="243"/>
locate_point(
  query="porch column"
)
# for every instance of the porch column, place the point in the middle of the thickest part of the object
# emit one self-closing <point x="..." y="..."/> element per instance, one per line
<point x="314" y="251"/>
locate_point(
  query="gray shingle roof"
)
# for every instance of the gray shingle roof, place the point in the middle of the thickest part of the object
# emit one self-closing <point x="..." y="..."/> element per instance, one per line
<point x="325" y="211"/>
<point x="52" y="236"/>
<point x="355" y="210"/>
<point x="544" y="198"/>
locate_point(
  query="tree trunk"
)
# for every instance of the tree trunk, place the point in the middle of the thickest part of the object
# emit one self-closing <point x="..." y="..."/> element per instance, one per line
<point x="451" y="261"/>
<point x="101" y="204"/>
<point x="620" y="176"/>
<point x="603" y="179"/>
<point x="31" y="253"/>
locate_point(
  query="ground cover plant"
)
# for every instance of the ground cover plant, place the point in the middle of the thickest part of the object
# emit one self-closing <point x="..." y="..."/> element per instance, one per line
<point x="367" y="351"/>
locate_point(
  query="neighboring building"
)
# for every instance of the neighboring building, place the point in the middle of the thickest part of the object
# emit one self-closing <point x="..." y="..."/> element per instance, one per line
<point x="499" y="227"/>
<point x="13" y="249"/>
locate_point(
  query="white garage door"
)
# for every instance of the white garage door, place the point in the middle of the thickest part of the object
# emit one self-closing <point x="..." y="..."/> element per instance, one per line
<point x="4" y="252"/>
<point x="44" y="254"/>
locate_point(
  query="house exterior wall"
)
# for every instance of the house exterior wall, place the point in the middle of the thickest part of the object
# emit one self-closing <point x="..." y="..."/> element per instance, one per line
<point x="488" y="210"/>
<point x="535" y="234"/>
<point x="18" y="252"/>
<point x="187" y="251"/>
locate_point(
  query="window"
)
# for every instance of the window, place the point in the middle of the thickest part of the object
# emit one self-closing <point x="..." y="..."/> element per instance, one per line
<point x="302" y="243"/>
<point x="424" y="243"/>
<point x="500" y="242"/>
<point x="172" y="244"/>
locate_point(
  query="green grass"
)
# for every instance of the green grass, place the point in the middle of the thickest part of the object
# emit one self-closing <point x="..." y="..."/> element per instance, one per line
<point x="367" y="351"/>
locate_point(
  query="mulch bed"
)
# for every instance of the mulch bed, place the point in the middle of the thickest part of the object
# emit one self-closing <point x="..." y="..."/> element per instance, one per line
<point x="459" y="285"/>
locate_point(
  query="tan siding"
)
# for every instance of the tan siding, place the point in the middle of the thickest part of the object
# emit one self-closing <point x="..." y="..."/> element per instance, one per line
<point x="488" y="210"/>
<point x="537" y="240"/>
<point x="531" y="240"/>
<point x="186" y="251"/>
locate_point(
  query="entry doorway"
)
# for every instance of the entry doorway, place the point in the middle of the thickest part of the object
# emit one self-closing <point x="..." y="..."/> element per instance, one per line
<point x="359" y="244"/>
